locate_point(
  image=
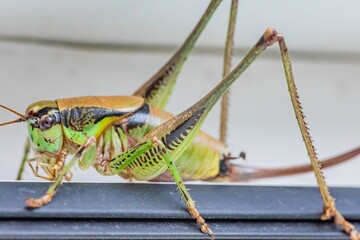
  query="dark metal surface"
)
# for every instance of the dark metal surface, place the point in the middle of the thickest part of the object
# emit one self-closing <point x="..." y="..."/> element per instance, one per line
<point x="123" y="211"/>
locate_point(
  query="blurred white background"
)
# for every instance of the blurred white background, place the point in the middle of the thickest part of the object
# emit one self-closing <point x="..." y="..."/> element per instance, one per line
<point x="51" y="50"/>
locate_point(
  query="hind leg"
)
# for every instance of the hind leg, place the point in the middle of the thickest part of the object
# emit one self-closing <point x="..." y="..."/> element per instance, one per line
<point x="157" y="90"/>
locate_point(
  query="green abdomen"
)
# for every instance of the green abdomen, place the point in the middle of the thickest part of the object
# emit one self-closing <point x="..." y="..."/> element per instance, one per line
<point x="199" y="161"/>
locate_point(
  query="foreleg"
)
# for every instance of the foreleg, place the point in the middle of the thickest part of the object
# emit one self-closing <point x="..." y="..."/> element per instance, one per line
<point x="36" y="203"/>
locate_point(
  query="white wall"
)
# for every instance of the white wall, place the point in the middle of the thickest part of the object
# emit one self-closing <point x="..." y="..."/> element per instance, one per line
<point x="262" y="121"/>
<point x="308" y="25"/>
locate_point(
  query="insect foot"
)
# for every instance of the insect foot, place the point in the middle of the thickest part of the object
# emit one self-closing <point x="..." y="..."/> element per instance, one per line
<point x="39" y="202"/>
<point x="348" y="227"/>
<point x="199" y="220"/>
<point x="331" y="212"/>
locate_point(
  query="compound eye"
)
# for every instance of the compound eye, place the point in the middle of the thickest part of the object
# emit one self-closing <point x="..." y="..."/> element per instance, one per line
<point x="46" y="122"/>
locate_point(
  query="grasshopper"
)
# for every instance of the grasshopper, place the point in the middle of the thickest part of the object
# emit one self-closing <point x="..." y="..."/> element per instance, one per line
<point x="133" y="136"/>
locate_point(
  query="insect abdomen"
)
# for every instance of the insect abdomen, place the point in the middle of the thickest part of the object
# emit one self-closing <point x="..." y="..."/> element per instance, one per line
<point x="199" y="161"/>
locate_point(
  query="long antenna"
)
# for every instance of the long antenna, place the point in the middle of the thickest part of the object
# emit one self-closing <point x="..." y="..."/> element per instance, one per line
<point x="22" y="118"/>
<point x="14" y="121"/>
<point x="13" y="111"/>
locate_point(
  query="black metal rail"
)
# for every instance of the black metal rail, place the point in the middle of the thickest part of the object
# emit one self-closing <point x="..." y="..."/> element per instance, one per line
<point x="155" y="211"/>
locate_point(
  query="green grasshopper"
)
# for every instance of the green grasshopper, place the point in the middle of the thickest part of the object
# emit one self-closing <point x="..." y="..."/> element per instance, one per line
<point x="133" y="136"/>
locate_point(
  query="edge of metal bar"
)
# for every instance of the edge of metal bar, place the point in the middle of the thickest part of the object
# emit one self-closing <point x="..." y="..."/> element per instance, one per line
<point x="155" y="211"/>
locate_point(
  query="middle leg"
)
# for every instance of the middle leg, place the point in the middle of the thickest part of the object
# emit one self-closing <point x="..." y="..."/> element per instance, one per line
<point x="184" y="192"/>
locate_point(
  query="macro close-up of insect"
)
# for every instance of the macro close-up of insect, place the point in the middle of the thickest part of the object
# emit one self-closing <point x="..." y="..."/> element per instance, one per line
<point x="133" y="134"/>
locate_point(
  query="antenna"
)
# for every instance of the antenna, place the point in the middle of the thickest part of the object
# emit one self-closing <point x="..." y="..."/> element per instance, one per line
<point x="22" y="118"/>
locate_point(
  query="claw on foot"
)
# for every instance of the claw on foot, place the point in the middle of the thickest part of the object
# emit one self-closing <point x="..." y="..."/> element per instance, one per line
<point x="347" y="226"/>
<point x="331" y="212"/>
<point x="354" y="234"/>
<point x="199" y="220"/>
